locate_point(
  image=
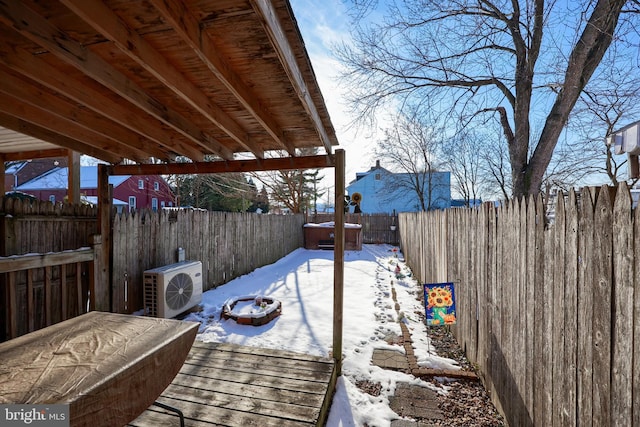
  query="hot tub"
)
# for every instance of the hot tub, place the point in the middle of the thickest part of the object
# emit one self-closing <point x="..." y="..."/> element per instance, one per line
<point x="321" y="236"/>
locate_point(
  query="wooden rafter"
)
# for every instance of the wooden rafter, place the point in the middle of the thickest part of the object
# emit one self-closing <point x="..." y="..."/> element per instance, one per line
<point x="109" y="24"/>
<point x="273" y="27"/>
<point x="126" y="140"/>
<point x="187" y="26"/>
<point x="62" y="125"/>
<point x="151" y="129"/>
<point x="39" y="30"/>
<point x="10" y="121"/>
<point x="158" y="80"/>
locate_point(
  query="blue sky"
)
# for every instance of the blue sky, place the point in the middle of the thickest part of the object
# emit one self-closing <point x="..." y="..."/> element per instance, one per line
<point x="324" y="24"/>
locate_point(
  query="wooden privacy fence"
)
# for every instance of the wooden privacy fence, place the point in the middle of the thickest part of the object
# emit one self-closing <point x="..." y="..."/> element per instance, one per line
<point x="228" y="245"/>
<point x="43" y="289"/>
<point x="550" y="313"/>
<point x="46" y="263"/>
<point x="376" y="228"/>
<point x="40" y="226"/>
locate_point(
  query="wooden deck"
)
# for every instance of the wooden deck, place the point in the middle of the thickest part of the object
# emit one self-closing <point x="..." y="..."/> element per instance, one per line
<point x="231" y="385"/>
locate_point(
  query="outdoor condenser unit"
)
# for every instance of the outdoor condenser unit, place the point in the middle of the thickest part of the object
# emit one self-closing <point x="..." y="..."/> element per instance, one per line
<point x="172" y="289"/>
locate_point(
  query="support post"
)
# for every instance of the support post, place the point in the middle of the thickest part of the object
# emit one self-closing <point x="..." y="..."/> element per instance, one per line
<point x="73" y="161"/>
<point x="101" y="297"/>
<point x="338" y="265"/>
<point x="95" y="270"/>
<point x="3" y="170"/>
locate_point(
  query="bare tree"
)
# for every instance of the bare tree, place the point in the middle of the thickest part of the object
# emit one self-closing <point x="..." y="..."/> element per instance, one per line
<point x="410" y="148"/>
<point x="496" y="167"/>
<point x="612" y="101"/>
<point x="295" y="190"/>
<point x="465" y="163"/>
<point x="483" y="57"/>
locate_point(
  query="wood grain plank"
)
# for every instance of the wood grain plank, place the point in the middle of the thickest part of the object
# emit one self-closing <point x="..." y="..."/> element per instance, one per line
<point x="531" y="268"/>
<point x="12" y="293"/>
<point x="543" y="393"/>
<point x="570" y="309"/>
<point x="40" y="260"/>
<point x="497" y="357"/>
<point x="208" y="416"/>
<point x="258" y="351"/>
<point x="250" y="377"/>
<point x="313" y="373"/>
<point x="211" y="391"/>
<point x="602" y="300"/>
<point x="585" y="311"/>
<point x="48" y="305"/>
<point x="623" y="294"/>
<point x="636" y="319"/>
<point x="30" y="306"/>
<point x="557" y="313"/>
<point x="64" y="292"/>
<point x="79" y="288"/>
<point x="244" y="398"/>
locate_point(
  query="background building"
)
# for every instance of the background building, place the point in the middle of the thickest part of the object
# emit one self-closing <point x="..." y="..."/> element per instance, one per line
<point x="387" y="192"/>
<point x="136" y="192"/>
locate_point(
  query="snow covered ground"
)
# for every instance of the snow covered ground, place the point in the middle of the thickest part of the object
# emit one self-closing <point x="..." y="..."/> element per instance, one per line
<point x="303" y="282"/>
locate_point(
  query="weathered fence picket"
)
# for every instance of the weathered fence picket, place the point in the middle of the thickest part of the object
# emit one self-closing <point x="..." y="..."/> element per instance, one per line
<point x="549" y="312"/>
<point x="228" y="245"/>
<point x="376" y="228"/>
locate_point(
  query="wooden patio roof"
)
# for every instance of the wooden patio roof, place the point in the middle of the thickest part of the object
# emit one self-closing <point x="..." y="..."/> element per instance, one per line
<point x="151" y="81"/>
<point x="164" y="86"/>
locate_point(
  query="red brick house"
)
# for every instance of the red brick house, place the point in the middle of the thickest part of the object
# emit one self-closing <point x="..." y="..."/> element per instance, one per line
<point x="136" y="192"/>
<point x="17" y="173"/>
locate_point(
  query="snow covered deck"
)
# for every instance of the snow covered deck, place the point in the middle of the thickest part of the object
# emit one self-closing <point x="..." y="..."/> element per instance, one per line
<point x="232" y="385"/>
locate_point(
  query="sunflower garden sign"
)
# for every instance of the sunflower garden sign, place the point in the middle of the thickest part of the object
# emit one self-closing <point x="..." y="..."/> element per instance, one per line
<point x="440" y="304"/>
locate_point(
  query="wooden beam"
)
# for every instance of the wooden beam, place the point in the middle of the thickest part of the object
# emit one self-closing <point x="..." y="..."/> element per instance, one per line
<point x="101" y="18"/>
<point x="269" y="17"/>
<point x="73" y="163"/>
<point x="121" y="113"/>
<point x="123" y="139"/>
<point x="63" y="126"/>
<point x="338" y="256"/>
<point x="14" y="123"/>
<point x="35" y="154"/>
<point x="284" y="163"/>
<point x="41" y="31"/>
<point x="3" y="187"/>
<point x="188" y="27"/>
<point x="29" y="261"/>
<point x="101" y="292"/>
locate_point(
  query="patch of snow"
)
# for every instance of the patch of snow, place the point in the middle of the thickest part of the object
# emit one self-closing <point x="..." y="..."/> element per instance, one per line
<point x="303" y="282"/>
<point x="331" y="224"/>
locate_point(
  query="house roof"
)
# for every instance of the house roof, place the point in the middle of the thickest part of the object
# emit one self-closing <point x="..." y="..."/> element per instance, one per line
<point x="150" y="80"/>
<point x="57" y="179"/>
<point x="15" y="167"/>
<point x="377" y="167"/>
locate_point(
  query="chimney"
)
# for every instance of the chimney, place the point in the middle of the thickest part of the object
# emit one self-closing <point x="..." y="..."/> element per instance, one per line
<point x="378" y="164"/>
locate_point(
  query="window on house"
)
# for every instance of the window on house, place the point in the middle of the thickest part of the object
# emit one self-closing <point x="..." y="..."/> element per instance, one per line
<point x="52" y="198"/>
<point x="162" y="204"/>
<point x="154" y="204"/>
<point x="378" y="177"/>
<point x="132" y="202"/>
<point x="156" y="186"/>
<point x="140" y="184"/>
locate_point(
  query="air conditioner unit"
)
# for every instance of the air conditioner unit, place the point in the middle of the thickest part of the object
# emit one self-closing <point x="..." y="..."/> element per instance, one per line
<point x="172" y="289"/>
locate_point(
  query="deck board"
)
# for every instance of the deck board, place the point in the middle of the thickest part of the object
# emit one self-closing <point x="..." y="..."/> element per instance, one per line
<point x="231" y="385"/>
